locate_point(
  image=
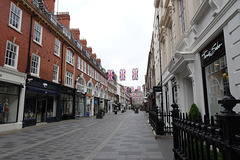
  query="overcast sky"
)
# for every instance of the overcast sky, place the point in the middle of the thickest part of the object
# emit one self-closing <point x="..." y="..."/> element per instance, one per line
<point x="119" y="32"/>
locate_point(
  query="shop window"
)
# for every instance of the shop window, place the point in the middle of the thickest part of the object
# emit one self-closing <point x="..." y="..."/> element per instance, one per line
<point x="37" y="37"/>
<point x="51" y="107"/>
<point x="35" y="67"/>
<point x="8" y="103"/>
<point x="80" y="107"/>
<point x="11" y="58"/>
<point x="67" y="104"/>
<point x="216" y="81"/>
<point x="15" y="18"/>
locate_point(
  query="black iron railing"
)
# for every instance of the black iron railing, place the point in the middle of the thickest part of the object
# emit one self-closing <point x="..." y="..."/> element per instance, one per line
<point x="216" y="138"/>
<point x="161" y="123"/>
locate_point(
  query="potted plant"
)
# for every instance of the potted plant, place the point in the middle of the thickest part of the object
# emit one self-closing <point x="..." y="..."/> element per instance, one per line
<point x="161" y="126"/>
<point x="136" y="110"/>
<point x="100" y="113"/>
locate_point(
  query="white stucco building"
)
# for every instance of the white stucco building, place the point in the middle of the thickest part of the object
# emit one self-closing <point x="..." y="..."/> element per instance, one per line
<point x="199" y="43"/>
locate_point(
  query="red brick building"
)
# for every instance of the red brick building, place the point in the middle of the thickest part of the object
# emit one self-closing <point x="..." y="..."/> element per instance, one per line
<point x="46" y="72"/>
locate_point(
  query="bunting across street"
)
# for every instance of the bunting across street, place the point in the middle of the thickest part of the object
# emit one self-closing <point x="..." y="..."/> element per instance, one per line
<point x="132" y="89"/>
<point x="122" y="74"/>
<point x="110" y="75"/>
<point x="135" y="74"/>
<point x="139" y="89"/>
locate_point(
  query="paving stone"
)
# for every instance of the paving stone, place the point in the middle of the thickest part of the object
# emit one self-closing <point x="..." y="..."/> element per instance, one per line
<point x="115" y="137"/>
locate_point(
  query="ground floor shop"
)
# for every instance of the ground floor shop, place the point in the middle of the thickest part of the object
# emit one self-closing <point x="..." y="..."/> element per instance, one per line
<point x="80" y="106"/>
<point x="12" y="92"/>
<point x="210" y="67"/>
<point x="67" y="103"/>
<point x="96" y="105"/>
<point x="42" y="101"/>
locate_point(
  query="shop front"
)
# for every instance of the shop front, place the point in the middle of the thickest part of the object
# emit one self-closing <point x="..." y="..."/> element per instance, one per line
<point x="215" y="74"/>
<point x="12" y="92"/>
<point x="80" y="109"/>
<point x="67" y="103"/>
<point x="96" y="105"/>
<point x="41" y="102"/>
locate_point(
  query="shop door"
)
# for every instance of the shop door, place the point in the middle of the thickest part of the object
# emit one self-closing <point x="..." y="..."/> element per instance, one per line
<point x="41" y="110"/>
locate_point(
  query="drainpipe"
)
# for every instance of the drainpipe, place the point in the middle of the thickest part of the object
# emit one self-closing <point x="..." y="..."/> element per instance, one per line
<point x="29" y="47"/>
<point x="61" y="84"/>
<point x="28" y="64"/>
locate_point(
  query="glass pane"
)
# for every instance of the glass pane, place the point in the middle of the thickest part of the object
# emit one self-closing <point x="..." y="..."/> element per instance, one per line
<point x="215" y="83"/>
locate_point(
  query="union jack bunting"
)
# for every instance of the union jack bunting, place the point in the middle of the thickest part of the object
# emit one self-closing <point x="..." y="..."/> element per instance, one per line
<point x="139" y="89"/>
<point x="110" y="75"/>
<point x="132" y="89"/>
<point x="125" y="89"/>
<point x="135" y="74"/>
<point x="122" y="74"/>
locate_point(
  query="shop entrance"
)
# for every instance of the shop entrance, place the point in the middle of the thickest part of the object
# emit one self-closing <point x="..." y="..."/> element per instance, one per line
<point x="41" y="110"/>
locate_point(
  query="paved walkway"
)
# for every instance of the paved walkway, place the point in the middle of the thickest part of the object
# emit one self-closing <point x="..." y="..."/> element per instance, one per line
<point x="125" y="136"/>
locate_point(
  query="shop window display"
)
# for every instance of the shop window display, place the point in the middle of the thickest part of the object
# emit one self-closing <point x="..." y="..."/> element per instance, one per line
<point x="216" y="80"/>
<point x="30" y="108"/>
<point x="67" y="104"/>
<point x="8" y="103"/>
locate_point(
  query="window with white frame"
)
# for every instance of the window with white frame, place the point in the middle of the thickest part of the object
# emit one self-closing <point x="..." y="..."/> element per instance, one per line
<point x="182" y="15"/>
<point x="15" y="18"/>
<point x="69" y="78"/>
<point x="11" y="58"/>
<point x="84" y="67"/>
<point x="78" y="64"/>
<point x="35" y="65"/>
<point x="57" y="47"/>
<point x="55" y="72"/>
<point x="88" y="70"/>
<point x="37" y="37"/>
<point x="69" y="57"/>
<point x="81" y="65"/>
<point x="80" y="85"/>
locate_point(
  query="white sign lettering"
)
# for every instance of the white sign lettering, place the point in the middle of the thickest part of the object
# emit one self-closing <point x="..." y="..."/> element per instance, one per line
<point x="209" y="53"/>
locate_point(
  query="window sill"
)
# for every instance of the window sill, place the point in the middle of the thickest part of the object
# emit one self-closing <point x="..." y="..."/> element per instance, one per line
<point x="38" y="43"/>
<point x="70" y="64"/>
<point x="19" y="31"/>
<point x="55" y="81"/>
<point x="35" y="75"/>
<point x="57" y="55"/>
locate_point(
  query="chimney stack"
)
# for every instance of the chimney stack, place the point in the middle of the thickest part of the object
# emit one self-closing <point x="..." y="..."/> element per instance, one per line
<point x="64" y="18"/>
<point x="75" y="32"/>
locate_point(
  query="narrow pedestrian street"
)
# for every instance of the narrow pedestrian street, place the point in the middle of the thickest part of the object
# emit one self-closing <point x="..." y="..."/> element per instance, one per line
<point x="115" y="137"/>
